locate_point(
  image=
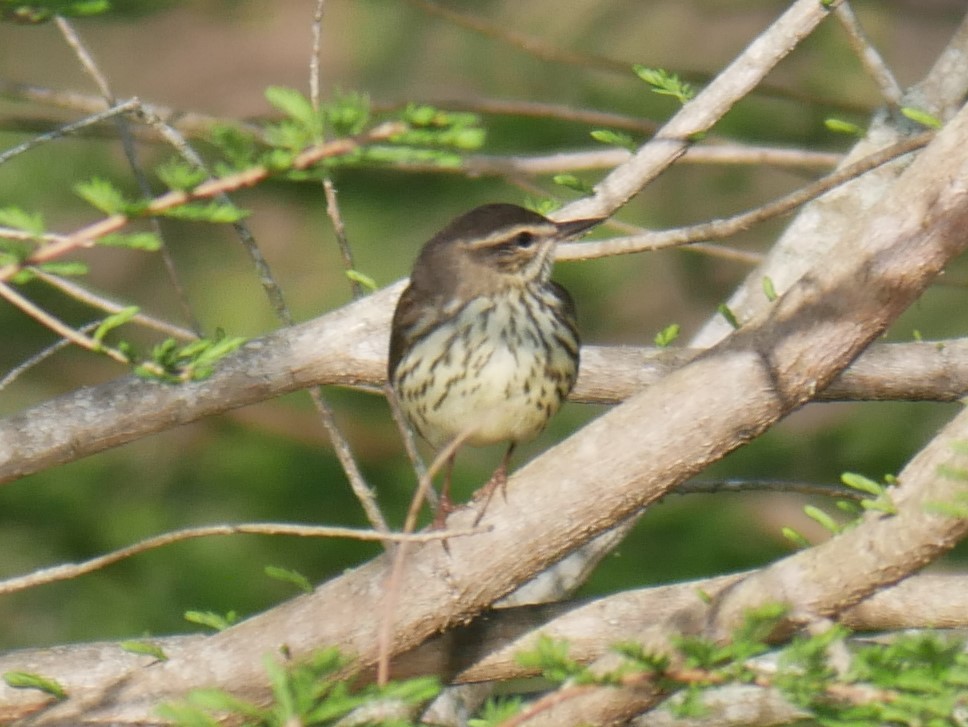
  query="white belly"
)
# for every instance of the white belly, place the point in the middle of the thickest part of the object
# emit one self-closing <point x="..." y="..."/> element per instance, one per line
<point x="499" y="394"/>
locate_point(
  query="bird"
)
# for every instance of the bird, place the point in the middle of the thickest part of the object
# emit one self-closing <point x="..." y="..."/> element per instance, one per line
<point x="484" y="346"/>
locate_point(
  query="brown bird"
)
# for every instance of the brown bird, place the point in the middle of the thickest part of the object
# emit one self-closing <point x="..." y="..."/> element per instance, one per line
<point x="484" y="345"/>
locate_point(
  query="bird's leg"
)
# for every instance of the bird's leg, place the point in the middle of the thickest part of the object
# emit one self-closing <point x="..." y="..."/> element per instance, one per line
<point x="444" y="505"/>
<point x="499" y="480"/>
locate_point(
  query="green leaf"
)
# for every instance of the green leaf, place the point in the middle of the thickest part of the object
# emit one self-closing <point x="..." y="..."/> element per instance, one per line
<point x="29" y="680"/>
<point x="572" y="182"/>
<point x="818" y="515"/>
<point x="178" y="174"/>
<point x="363" y="279"/>
<point x="796" y="538"/>
<point x="289" y="576"/>
<point x="114" y="321"/>
<point x="496" y="711"/>
<point x="667" y="335"/>
<point x="211" y="619"/>
<point x="839" y="126"/>
<point x="862" y="484"/>
<point x="665" y="83"/>
<point x="613" y="138"/>
<point x="768" y="289"/>
<point x="725" y="312"/>
<point x="103" y="195"/>
<point x="346" y="114"/>
<point x="186" y="715"/>
<point x="921" y="117"/>
<point x="147" y="241"/>
<point x="217" y="700"/>
<point x="144" y="648"/>
<point x="18" y="219"/>
<point x="294" y="105"/>
<point x="65" y="267"/>
<point x="216" y="212"/>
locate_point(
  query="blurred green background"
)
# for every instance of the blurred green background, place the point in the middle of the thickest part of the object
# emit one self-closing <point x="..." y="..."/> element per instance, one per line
<point x="271" y="461"/>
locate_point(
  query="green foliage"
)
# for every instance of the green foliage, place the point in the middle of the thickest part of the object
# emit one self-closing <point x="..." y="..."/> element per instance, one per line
<point x="31" y="13"/>
<point x="306" y="693"/>
<point x="769" y="290"/>
<point x="191" y="362"/>
<point x="572" y="182"/>
<point x="614" y="138"/>
<point x="914" y="679"/>
<point x="839" y="126"/>
<point x="212" y="620"/>
<point x="725" y="311"/>
<point x="665" y="83"/>
<point x="144" y="648"/>
<point x="178" y="174"/>
<point x="103" y="195"/>
<point x="18" y="219"/>
<point x="921" y="117"/>
<point x="29" y="680"/>
<point x="363" y="279"/>
<point x="216" y="212"/>
<point x="289" y="576"/>
<point x="147" y="241"/>
<point x="496" y="712"/>
<point x="881" y="499"/>
<point x="551" y="658"/>
<point x="114" y="321"/>
<point x="667" y="336"/>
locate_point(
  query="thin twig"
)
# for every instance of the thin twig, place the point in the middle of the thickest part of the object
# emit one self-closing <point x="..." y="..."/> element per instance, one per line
<point x="38" y="358"/>
<point x="869" y="57"/>
<point x="73" y="570"/>
<point x="86" y="236"/>
<point x="58" y="326"/>
<point x="384" y="636"/>
<point x="96" y="300"/>
<point x="67" y="129"/>
<point x="130" y="152"/>
<point x="724" y="228"/>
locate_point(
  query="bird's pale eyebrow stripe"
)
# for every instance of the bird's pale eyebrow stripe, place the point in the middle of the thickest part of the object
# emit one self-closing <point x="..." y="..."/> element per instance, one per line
<point x="509" y="233"/>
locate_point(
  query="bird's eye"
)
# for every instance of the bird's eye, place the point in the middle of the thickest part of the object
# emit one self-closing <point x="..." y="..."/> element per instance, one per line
<point x="524" y="240"/>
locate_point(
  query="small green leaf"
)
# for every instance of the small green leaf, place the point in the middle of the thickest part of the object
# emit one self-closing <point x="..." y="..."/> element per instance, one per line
<point x="114" y="321"/>
<point x="144" y="648"/>
<point x="103" y="195"/>
<point x="768" y="289"/>
<point x="665" y="83"/>
<point x="18" y="219"/>
<point x="839" y="126"/>
<point x="289" y="576"/>
<point x="179" y="174"/>
<point x="667" y="335"/>
<point x="572" y="182"/>
<point x="613" y="138"/>
<point x="216" y="212"/>
<point x="65" y="267"/>
<point x="147" y="241"/>
<point x="362" y="278"/>
<point x="346" y="114"/>
<point x="293" y="104"/>
<point x="818" y="515"/>
<point x="861" y="483"/>
<point x="725" y="312"/>
<point x="216" y="700"/>
<point x="796" y="538"/>
<point x="211" y="619"/>
<point x="921" y="117"/>
<point x="28" y="680"/>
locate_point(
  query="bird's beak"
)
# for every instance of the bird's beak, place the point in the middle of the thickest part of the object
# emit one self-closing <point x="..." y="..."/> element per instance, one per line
<point x="574" y="228"/>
